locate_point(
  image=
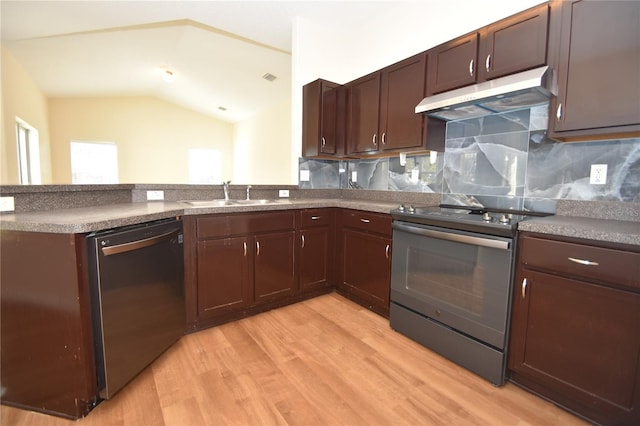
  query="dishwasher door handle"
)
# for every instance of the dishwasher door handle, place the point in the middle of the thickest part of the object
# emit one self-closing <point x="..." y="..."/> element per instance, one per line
<point x="136" y="245"/>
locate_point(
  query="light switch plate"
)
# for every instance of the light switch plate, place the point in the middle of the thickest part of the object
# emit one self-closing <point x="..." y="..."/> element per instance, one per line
<point x="598" y="174"/>
<point x="7" y="204"/>
<point x="155" y="195"/>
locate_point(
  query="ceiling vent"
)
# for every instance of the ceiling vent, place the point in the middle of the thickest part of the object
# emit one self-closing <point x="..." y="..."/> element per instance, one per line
<point x="269" y="77"/>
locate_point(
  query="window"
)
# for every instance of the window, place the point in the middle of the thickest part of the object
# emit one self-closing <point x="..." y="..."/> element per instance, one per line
<point x="205" y="166"/>
<point x="94" y="162"/>
<point x="28" y="153"/>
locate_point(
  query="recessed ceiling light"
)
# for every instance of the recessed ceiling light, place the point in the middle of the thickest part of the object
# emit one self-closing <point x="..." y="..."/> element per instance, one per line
<point x="167" y="76"/>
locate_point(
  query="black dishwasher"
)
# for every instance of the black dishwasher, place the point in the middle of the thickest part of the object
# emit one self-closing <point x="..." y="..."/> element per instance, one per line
<point x="137" y="290"/>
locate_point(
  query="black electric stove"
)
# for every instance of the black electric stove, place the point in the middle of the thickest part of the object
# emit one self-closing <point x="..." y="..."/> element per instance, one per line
<point x="466" y="218"/>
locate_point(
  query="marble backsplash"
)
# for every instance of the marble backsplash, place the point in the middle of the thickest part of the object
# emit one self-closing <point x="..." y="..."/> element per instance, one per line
<point x="501" y="160"/>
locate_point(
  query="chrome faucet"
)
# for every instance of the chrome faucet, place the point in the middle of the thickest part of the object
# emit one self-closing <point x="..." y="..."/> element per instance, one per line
<point x="248" y="192"/>
<point x="225" y="188"/>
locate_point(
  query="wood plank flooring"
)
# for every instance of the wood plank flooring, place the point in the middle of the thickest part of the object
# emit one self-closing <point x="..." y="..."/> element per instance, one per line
<point x="324" y="361"/>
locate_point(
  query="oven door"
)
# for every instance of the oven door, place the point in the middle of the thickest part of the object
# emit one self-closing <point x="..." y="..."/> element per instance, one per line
<point x="457" y="278"/>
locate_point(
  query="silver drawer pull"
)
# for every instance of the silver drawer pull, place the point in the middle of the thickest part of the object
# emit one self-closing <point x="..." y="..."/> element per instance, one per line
<point x="365" y="220"/>
<point x="487" y="63"/>
<point x="374" y="139"/>
<point x="257" y="248"/>
<point x="315" y="217"/>
<point x="302" y="241"/>
<point x="524" y="288"/>
<point x="471" y="68"/>
<point x="386" y="251"/>
<point x="559" y="112"/>
<point x="583" y="261"/>
<point x="245" y="248"/>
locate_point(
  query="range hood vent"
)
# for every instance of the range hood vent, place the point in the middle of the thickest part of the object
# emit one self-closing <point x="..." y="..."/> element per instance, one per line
<point x="510" y="93"/>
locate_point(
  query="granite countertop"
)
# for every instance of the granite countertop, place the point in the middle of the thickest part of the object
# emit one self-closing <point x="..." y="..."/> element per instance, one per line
<point x="616" y="231"/>
<point x="90" y="219"/>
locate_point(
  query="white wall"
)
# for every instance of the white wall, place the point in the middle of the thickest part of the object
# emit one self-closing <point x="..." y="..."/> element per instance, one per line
<point x="404" y="29"/>
<point x="261" y="147"/>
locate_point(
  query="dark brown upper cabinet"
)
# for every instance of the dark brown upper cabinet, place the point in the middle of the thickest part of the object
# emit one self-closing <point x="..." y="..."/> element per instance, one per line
<point x="514" y="44"/>
<point x="597" y="59"/>
<point x="323" y="117"/>
<point x="453" y="64"/>
<point x="381" y="108"/>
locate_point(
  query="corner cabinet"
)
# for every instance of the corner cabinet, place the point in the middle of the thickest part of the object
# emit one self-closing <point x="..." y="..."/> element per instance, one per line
<point x="575" y="331"/>
<point x="323" y="119"/>
<point x="514" y="44"/>
<point x="598" y="70"/>
<point x="364" y="253"/>
<point x="381" y="108"/>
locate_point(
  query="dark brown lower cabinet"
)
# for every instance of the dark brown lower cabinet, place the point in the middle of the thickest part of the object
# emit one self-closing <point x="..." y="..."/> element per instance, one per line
<point x="239" y="264"/>
<point x="575" y="333"/>
<point x="316" y="248"/>
<point x="365" y="259"/>
<point x="223" y="276"/>
<point x="47" y="345"/>
<point x="273" y="266"/>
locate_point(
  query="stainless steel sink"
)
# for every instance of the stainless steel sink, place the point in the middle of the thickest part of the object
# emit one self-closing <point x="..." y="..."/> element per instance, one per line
<point x="222" y="203"/>
<point x="208" y="203"/>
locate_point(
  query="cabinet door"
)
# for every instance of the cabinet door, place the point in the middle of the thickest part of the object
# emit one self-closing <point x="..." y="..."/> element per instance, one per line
<point x="314" y="258"/>
<point x="274" y="275"/>
<point x="581" y="342"/>
<point x="328" y="127"/>
<point x="598" y="70"/>
<point x="362" y="122"/>
<point x="453" y="64"/>
<point x="223" y="276"/>
<point x="403" y="87"/>
<point x="515" y="44"/>
<point x="319" y="118"/>
<point x="366" y="268"/>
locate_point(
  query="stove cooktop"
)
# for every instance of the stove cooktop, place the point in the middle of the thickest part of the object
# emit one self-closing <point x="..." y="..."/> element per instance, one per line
<point x="465" y="218"/>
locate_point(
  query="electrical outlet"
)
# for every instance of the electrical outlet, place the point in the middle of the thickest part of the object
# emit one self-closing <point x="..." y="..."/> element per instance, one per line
<point x="155" y="195"/>
<point x="598" y="174"/>
<point x="7" y="204"/>
<point x="283" y="193"/>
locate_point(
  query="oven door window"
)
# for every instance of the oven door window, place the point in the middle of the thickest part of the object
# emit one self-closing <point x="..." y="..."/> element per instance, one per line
<point x="460" y="284"/>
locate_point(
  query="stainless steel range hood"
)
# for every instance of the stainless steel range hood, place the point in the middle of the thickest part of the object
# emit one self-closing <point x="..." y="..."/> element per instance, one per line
<point x="516" y="91"/>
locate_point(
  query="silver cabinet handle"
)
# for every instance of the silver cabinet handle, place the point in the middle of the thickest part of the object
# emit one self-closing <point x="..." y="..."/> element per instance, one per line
<point x="365" y="220"/>
<point x="302" y="238"/>
<point x="386" y="251"/>
<point x="524" y="288"/>
<point x="315" y="217"/>
<point x="583" y="261"/>
<point x="559" y="112"/>
<point x="471" y="68"/>
<point x="383" y="138"/>
<point x="245" y="248"/>
<point x="373" y="139"/>
<point x="487" y="62"/>
<point x="324" y="142"/>
<point x="257" y="248"/>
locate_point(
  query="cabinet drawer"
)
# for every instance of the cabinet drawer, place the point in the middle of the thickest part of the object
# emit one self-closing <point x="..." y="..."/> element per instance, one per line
<point x="315" y="217"/>
<point x="372" y="222"/>
<point x="238" y="224"/>
<point x="584" y="261"/>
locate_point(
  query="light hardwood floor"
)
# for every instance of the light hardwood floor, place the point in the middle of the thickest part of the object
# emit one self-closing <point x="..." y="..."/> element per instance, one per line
<point x="325" y="361"/>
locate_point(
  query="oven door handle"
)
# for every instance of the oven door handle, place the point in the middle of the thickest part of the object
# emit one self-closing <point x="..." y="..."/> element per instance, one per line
<point x="450" y="236"/>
